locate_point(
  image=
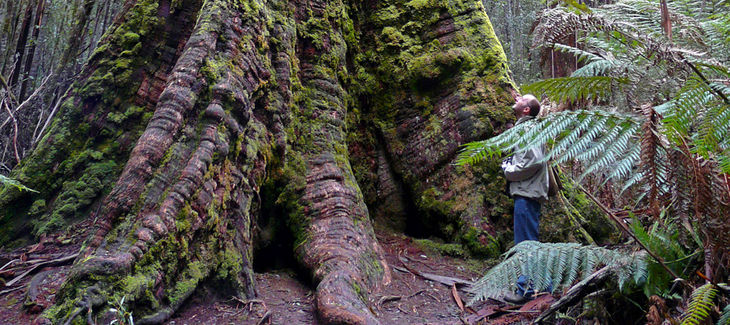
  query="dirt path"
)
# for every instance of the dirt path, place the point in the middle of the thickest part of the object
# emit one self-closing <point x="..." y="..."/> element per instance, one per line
<point x="283" y="299"/>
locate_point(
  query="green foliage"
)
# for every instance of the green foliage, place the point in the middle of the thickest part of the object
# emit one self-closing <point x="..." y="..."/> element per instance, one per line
<point x="11" y="182"/>
<point x="575" y="88"/>
<point x="663" y="240"/>
<point x="123" y="316"/>
<point x="700" y="304"/>
<point x="725" y="317"/>
<point x="559" y="265"/>
<point x="653" y="111"/>
<point x="603" y="140"/>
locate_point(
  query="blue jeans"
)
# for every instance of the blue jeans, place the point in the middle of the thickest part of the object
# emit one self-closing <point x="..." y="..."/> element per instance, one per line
<point x="526" y="217"/>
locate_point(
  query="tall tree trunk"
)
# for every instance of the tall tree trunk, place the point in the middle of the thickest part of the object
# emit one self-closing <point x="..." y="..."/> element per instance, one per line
<point x="190" y="112"/>
<point x="20" y="45"/>
<point x="9" y="32"/>
<point x="31" y="51"/>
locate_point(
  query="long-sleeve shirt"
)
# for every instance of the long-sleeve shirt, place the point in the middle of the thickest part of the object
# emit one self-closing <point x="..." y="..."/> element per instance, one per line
<point x="528" y="176"/>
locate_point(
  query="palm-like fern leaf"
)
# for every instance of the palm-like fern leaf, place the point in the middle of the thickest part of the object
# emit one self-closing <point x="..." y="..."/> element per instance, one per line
<point x="557" y="265"/>
<point x="573" y="89"/>
<point x="11" y="182"/>
<point x="700" y="303"/>
<point x="603" y="139"/>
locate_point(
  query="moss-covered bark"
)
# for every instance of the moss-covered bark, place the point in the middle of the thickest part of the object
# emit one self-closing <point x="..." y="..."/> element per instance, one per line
<point x="189" y="108"/>
<point x="434" y="77"/>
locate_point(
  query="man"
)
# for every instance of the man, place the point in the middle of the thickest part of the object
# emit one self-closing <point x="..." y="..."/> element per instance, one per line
<point x="527" y="178"/>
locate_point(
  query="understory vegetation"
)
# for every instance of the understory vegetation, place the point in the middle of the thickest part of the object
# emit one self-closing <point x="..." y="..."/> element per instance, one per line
<point x="646" y="113"/>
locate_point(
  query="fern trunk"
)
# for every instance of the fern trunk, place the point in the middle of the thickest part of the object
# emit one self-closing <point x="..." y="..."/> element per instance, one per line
<point x="194" y="121"/>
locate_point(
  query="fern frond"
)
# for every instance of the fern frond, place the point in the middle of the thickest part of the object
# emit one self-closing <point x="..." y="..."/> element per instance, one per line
<point x="700" y="303"/>
<point x="580" y="54"/>
<point x="601" y="139"/>
<point x="556" y="264"/>
<point x="11" y="182"/>
<point x="594" y="68"/>
<point x="556" y="24"/>
<point x="571" y="89"/>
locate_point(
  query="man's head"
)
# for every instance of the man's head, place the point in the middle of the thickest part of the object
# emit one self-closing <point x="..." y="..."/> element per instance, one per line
<point x="526" y="105"/>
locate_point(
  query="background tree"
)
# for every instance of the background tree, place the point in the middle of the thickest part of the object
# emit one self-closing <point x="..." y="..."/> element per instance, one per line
<point x="44" y="43"/>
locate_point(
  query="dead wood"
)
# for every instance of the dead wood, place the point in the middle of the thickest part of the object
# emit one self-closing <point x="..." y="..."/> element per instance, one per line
<point x="445" y="280"/>
<point x="578" y="291"/>
<point x="56" y="262"/>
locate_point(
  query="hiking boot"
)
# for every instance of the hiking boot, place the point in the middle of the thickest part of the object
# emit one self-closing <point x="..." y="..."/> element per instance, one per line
<point x="515" y="298"/>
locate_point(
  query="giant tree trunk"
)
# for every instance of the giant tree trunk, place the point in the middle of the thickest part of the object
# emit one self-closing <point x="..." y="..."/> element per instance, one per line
<point x="190" y="112"/>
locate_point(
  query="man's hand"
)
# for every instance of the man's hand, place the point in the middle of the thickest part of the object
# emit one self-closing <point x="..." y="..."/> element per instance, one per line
<point x="506" y="163"/>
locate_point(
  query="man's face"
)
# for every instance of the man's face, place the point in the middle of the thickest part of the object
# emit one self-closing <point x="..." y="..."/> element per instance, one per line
<point x="519" y="106"/>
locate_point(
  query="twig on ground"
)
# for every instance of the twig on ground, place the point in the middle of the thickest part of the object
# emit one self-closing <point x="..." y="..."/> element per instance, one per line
<point x="58" y="261"/>
<point x="519" y="311"/>
<point x="385" y="299"/>
<point x="10" y="290"/>
<point x="266" y="319"/>
<point x="8" y="264"/>
<point x="445" y="280"/>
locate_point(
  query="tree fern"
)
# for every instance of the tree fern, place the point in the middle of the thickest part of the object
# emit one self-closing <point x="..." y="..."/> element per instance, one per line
<point x="662" y="239"/>
<point x="700" y="304"/>
<point x="557" y="265"/>
<point x="725" y="317"/>
<point x="571" y="89"/>
<point x="605" y="141"/>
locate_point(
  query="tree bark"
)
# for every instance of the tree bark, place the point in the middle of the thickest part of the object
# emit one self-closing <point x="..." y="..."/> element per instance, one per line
<point x="20" y="46"/>
<point x="31" y="51"/>
<point x="9" y="31"/>
<point x="190" y="112"/>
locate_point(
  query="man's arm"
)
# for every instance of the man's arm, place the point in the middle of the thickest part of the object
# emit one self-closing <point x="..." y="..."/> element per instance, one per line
<point x="523" y="165"/>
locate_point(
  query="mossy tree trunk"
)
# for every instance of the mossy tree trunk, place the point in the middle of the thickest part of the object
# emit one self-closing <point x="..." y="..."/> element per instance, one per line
<point x="190" y="112"/>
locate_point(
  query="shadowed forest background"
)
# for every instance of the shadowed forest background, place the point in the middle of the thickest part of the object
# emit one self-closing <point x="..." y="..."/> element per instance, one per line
<point x="160" y="154"/>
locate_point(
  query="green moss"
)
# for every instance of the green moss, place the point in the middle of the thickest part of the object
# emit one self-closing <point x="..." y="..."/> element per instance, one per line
<point x="230" y="264"/>
<point x="447" y="249"/>
<point x="480" y="243"/>
<point x="129" y="39"/>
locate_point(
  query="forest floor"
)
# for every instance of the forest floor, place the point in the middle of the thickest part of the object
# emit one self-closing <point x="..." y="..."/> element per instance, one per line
<point x="420" y="292"/>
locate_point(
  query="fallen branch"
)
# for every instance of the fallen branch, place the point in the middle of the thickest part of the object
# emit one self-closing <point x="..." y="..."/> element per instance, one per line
<point x="59" y="261"/>
<point x="457" y="298"/>
<point x="10" y="290"/>
<point x="8" y="263"/>
<point x="577" y="292"/>
<point x="266" y="319"/>
<point x="385" y="299"/>
<point x="27" y="101"/>
<point x="445" y="280"/>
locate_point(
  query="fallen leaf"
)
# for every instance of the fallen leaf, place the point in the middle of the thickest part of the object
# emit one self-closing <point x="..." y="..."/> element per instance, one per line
<point x="456" y="297"/>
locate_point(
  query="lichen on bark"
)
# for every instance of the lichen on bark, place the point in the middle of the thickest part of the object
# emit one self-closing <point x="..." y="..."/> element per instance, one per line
<point x="189" y="108"/>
